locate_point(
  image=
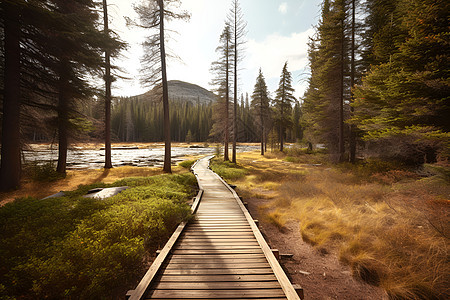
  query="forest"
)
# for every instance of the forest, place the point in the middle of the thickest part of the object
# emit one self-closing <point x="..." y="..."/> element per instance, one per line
<point x="374" y="120"/>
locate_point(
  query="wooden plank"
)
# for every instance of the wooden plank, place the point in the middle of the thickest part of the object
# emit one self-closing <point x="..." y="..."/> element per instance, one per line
<point x="188" y="272"/>
<point x="213" y="278"/>
<point x="208" y="294"/>
<point x="195" y="261"/>
<point x="218" y="243"/>
<point x="218" y="251"/>
<point x="214" y="247"/>
<point x="216" y="222"/>
<point x="199" y="239"/>
<point x="220" y="256"/>
<point x="219" y="230"/>
<point x="219" y="265"/>
<point x="216" y="235"/>
<point x="218" y="226"/>
<point x="286" y="285"/>
<point x="270" y="298"/>
<point x="217" y="285"/>
<point x="220" y="221"/>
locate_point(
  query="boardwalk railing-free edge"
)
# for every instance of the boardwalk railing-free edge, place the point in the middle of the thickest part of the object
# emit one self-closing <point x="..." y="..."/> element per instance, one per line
<point x="146" y="282"/>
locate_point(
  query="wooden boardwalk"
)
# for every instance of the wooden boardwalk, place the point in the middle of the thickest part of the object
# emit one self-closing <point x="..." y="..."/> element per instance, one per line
<point x="219" y="255"/>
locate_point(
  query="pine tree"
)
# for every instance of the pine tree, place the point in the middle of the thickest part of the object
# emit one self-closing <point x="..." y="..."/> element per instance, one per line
<point x="260" y="105"/>
<point x="78" y="49"/>
<point x="222" y="71"/>
<point x="152" y="14"/>
<point x="383" y="32"/>
<point x="238" y="25"/>
<point x="402" y="106"/>
<point x="283" y="103"/>
<point x="108" y="81"/>
<point x="296" y="117"/>
<point x="324" y="101"/>
<point x="10" y="171"/>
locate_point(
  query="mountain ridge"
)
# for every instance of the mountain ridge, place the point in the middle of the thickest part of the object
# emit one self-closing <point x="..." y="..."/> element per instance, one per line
<point x="183" y="92"/>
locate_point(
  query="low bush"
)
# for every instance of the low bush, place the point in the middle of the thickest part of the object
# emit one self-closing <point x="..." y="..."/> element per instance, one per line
<point x="45" y="172"/>
<point x="82" y="248"/>
<point x="227" y="170"/>
<point x="187" y="163"/>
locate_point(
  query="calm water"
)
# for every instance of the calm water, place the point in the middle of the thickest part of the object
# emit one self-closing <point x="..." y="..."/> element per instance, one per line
<point x="95" y="159"/>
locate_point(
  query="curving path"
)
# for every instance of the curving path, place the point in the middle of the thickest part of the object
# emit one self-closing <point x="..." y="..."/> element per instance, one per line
<point x="219" y="255"/>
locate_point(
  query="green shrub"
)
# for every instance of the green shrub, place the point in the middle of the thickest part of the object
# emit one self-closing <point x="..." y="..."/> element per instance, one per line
<point x="227" y="170"/>
<point x="187" y="163"/>
<point x="43" y="172"/>
<point x="84" y="248"/>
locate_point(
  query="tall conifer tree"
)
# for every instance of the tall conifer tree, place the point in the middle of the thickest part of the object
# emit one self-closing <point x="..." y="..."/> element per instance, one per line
<point x="283" y="103"/>
<point x="153" y="14"/>
<point x="260" y="105"/>
<point x="222" y="70"/>
<point x="10" y="171"/>
<point x="238" y="25"/>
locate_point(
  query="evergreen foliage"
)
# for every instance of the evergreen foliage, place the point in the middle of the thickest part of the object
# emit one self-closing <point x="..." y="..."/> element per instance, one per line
<point x="152" y="15"/>
<point x="403" y="106"/>
<point x="58" y="46"/>
<point x="260" y="107"/>
<point x="223" y="72"/>
<point x="283" y="104"/>
<point x="328" y="88"/>
<point x="140" y="120"/>
<point x="391" y="85"/>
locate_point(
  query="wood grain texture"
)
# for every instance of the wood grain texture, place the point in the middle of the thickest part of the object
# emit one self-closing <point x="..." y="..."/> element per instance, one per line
<point x="219" y="254"/>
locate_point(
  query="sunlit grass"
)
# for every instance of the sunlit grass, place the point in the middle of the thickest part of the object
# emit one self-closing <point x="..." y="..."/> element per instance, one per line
<point x="389" y="225"/>
<point x="73" y="247"/>
<point x="75" y="178"/>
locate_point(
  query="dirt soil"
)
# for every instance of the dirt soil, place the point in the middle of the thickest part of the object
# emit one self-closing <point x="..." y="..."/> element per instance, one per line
<point x="321" y="276"/>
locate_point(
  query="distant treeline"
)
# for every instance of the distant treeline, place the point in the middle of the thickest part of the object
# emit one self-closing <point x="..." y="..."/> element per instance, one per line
<point x="135" y="119"/>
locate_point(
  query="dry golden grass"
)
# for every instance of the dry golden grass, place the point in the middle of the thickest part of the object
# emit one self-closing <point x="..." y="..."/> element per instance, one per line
<point x="392" y="229"/>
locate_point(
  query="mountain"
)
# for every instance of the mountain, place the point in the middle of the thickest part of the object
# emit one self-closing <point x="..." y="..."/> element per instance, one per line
<point x="183" y="92"/>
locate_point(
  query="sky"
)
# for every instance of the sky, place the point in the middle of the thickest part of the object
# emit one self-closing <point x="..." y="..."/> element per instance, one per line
<point x="277" y="31"/>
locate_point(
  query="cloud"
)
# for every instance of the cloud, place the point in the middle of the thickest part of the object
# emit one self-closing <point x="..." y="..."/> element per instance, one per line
<point x="283" y="8"/>
<point x="275" y="50"/>
<point x="271" y="54"/>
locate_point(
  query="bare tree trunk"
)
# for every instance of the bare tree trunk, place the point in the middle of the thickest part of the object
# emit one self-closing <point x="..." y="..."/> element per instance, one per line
<point x="352" y="83"/>
<point x="108" y="162"/>
<point x="235" y="91"/>
<point x="262" y="138"/>
<point x="167" y="144"/>
<point x="282" y="128"/>
<point x="63" y="119"/>
<point x="341" y="149"/>
<point x="227" y="100"/>
<point x="281" y="138"/>
<point x="11" y="163"/>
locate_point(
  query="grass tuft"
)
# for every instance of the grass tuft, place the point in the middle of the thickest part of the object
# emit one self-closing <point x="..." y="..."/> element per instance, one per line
<point x="187" y="164"/>
<point x="227" y="170"/>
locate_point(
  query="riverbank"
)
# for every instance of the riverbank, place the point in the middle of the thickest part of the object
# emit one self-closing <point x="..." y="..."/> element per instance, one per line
<point x="86" y="161"/>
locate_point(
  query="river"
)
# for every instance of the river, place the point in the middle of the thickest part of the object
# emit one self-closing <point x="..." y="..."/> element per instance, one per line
<point x="83" y="158"/>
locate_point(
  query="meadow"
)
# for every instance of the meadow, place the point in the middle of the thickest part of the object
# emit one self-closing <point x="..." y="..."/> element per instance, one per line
<point x="74" y="247"/>
<point x="389" y="223"/>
